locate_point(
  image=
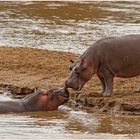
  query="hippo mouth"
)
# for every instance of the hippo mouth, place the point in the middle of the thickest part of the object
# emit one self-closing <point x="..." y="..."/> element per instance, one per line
<point x="77" y="88"/>
<point x="63" y="92"/>
<point x="65" y="95"/>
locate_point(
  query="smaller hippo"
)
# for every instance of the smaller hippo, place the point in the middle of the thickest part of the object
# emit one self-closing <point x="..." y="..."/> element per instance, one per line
<point x="37" y="101"/>
<point x="107" y="58"/>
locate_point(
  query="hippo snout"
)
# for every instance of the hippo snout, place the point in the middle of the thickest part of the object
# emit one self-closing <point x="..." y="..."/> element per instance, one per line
<point x="70" y="84"/>
<point x="66" y="93"/>
<point x="63" y="92"/>
<point x="66" y="84"/>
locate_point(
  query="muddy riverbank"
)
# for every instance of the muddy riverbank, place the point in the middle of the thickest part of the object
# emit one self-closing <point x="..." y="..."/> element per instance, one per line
<point x="22" y="70"/>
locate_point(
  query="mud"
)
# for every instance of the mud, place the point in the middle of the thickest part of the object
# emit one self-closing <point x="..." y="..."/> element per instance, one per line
<point x="127" y="104"/>
<point x="15" y="90"/>
<point x="24" y="70"/>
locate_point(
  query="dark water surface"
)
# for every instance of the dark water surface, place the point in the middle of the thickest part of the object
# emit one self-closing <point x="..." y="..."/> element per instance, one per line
<point x="66" y="26"/>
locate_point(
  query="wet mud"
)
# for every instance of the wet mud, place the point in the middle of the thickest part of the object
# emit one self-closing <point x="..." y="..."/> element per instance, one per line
<point x="127" y="104"/>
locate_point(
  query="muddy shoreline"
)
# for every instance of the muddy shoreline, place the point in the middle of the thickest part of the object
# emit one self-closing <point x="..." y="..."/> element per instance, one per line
<point x="22" y="70"/>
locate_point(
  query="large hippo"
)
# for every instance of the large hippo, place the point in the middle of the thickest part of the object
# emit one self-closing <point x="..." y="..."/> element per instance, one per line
<point x="107" y="58"/>
<point x="37" y="101"/>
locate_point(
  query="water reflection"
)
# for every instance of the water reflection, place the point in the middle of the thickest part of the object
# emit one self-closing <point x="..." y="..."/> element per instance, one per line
<point x="65" y="26"/>
<point x="67" y="123"/>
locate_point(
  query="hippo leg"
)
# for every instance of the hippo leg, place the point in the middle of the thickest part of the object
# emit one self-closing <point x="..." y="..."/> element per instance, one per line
<point x="102" y="82"/>
<point x="108" y="77"/>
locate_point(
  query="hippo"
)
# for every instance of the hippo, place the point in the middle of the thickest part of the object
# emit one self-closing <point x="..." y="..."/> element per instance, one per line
<point x="107" y="58"/>
<point x="38" y="101"/>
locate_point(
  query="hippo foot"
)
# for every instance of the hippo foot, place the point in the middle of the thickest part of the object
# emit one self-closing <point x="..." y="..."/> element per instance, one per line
<point x="106" y="94"/>
<point x="102" y="92"/>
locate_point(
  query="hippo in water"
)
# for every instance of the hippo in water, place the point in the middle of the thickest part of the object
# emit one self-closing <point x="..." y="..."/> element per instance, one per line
<point x="37" y="101"/>
<point x="107" y="58"/>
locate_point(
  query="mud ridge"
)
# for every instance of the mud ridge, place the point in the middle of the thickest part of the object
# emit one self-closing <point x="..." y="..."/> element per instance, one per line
<point x="123" y="105"/>
<point x="15" y="90"/>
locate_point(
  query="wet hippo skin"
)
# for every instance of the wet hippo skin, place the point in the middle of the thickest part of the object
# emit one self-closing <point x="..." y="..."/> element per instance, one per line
<point x="107" y="58"/>
<point x="37" y="101"/>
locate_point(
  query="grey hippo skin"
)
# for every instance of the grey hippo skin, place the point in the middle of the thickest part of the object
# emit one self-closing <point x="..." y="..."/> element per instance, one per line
<point x="37" y="101"/>
<point x="107" y="58"/>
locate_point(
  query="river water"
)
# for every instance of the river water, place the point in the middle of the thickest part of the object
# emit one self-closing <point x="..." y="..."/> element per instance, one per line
<point x="65" y="26"/>
<point x="69" y="27"/>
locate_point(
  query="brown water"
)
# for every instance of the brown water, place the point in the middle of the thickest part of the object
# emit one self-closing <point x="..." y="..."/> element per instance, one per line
<point x="66" y="26"/>
<point x="67" y="123"/>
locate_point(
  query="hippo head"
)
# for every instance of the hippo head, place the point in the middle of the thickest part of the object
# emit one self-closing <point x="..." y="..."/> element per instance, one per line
<point x="46" y="100"/>
<point x="56" y="97"/>
<point x="53" y="98"/>
<point x="81" y="72"/>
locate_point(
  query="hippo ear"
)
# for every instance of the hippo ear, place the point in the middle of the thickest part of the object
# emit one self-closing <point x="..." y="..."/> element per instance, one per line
<point x="71" y="61"/>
